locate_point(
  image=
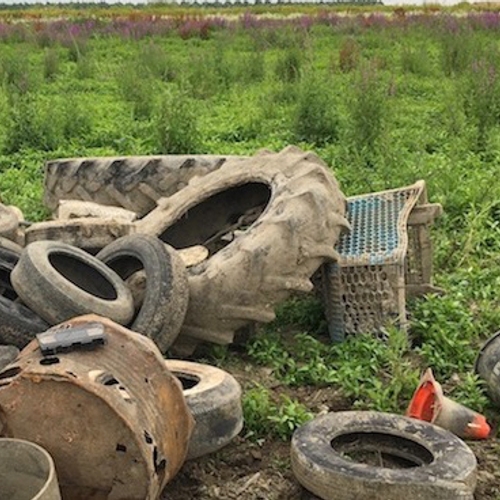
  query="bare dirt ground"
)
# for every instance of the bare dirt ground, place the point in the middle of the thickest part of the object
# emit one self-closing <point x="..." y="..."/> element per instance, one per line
<point x="245" y="470"/>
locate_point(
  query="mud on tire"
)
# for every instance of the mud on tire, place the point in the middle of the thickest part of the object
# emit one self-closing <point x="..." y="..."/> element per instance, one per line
<point x="283" y="213"/>
<point x="162" y="311"/>
<point x="133" y="182"/>
<point x="380" y="456"/>
<point x="59" y="281"/>
<point x="214" y="399"/>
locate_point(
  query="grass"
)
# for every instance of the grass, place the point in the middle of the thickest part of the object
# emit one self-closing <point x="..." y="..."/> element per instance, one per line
<point x="384" y="100"/>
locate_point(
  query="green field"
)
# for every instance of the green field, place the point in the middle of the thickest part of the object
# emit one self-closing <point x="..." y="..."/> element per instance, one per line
<point x="384" y="98"/>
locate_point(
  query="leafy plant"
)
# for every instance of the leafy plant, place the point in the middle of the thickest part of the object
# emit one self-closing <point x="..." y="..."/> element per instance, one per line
<point x="138" y="89"/>
<point x="482" y="97"/>
<point x="176" y="125"/>
<point x="265" y="418"/>
<point x="153" y="59"/>
<point x="17" y="73"/>
<point x="416" y="60"/>
<point x="288" y="65"/>
<point x="349" y="55"/>
<point x="444" y="328"/>
<point x="316" y="120"/>
<point x="31" y="125"/>
<point x="457" y="47"/>
<point x="51" y="63"/>
<point x="368" y="108"/>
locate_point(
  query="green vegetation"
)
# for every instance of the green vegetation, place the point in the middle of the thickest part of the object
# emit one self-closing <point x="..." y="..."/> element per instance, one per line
<point x="384" y="100"/>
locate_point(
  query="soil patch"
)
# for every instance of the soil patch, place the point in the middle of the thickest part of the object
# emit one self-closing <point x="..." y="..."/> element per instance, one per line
<point x="245" y="470"/>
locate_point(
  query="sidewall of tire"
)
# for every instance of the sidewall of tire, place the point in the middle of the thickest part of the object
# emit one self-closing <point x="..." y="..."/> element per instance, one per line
<point x="215" y="403"/>
<point x="55" y="298"/>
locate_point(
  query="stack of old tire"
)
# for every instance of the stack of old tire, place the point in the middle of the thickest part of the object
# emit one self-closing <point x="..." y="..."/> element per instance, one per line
<point x="265" y="224"/>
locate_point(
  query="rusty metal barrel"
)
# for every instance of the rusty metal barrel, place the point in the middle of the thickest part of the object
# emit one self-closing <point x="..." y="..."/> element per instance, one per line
<point x="113" y="418"/>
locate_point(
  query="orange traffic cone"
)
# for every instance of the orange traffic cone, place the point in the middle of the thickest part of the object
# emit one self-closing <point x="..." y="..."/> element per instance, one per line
<point x="428" y="403"/>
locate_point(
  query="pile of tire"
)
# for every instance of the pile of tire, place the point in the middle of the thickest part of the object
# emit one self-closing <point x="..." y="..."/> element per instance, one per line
<point x="283" y="212"/>
<point x="266" y="224"/>
<point x="50" y="282"/>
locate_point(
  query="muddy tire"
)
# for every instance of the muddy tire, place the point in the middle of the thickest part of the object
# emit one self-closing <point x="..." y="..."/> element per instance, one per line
<point x="10" y="245"/>
<point x="90" y="233"/>
<point x="133" y="182"/>
<point x="293" y="212"/>
<point x="8" y="222"/>
<point x="214" y="398"/>
<point x="59" y="282"/>
<point x="166" y="296"/>
<point x="413" y="460"/>
<point x="8" y="260"/>
<point x="8" y="353"/>
<point x="18" y="323"/>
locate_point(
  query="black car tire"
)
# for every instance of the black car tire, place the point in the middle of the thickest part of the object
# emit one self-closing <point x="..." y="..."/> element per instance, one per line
<point x="59" y="281"/>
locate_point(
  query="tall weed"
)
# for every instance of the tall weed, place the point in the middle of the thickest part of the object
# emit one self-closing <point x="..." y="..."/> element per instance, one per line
<point x="17" y="72"/>
<point x="51" y="63"/>
<point x="316" y="118"/>
<point x="416" y="60"/>
<point x="251" y="67"/>
<point x="176" y="125"/>
<point x="32" y="124"/>
<point x="155" y="60"/>
<point x="482" y="97"/>
<point x="288" y="65"/>
<point x="457" y="48"/>
<point x="349" y="55"/>
<point x="368" y="109"/>
<point x="208" y="74"/>
<point x="137" y="89"/>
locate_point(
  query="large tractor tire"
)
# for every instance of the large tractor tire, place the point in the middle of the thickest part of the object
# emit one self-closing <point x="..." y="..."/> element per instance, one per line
<point x="133" y="182"/>
<point x="268" y="223"/>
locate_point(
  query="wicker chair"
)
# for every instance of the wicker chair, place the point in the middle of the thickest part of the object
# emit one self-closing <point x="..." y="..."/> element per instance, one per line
<point x="386" y="257"/>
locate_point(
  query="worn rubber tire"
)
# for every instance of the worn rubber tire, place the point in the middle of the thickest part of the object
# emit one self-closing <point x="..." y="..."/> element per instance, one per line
<point x="9" y="222"/>
<point x="90" y="233"/>
<point x="8" y="353"/>
<point x="133" y="182"/>
<point x="166" y="296"/>
<point x="10" y="245"/>
<point x="59" y="281"/>
<point x="302" y="217"/>
<point x="8" y="260"/>
<point x="215" y="403"/>
<point x="443" y="466"/>
<point x="18" y="323"/>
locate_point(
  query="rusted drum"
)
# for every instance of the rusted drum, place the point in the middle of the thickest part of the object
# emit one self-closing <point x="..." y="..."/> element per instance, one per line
<point x="113" y="418"/>
<point x="26" y="472"/>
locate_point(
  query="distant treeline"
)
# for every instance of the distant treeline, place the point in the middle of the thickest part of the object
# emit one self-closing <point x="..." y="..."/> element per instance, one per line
<point x="183" y="3"/>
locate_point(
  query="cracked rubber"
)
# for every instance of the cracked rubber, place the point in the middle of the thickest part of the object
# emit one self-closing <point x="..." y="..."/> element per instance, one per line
<point x="295" y="213"/>
<point x="214" y="398"/>
<point x="59" y="281"/>
<point x="166" y="294"/>
<point x="433" y="463"/>
<point x="133" y="182"/>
